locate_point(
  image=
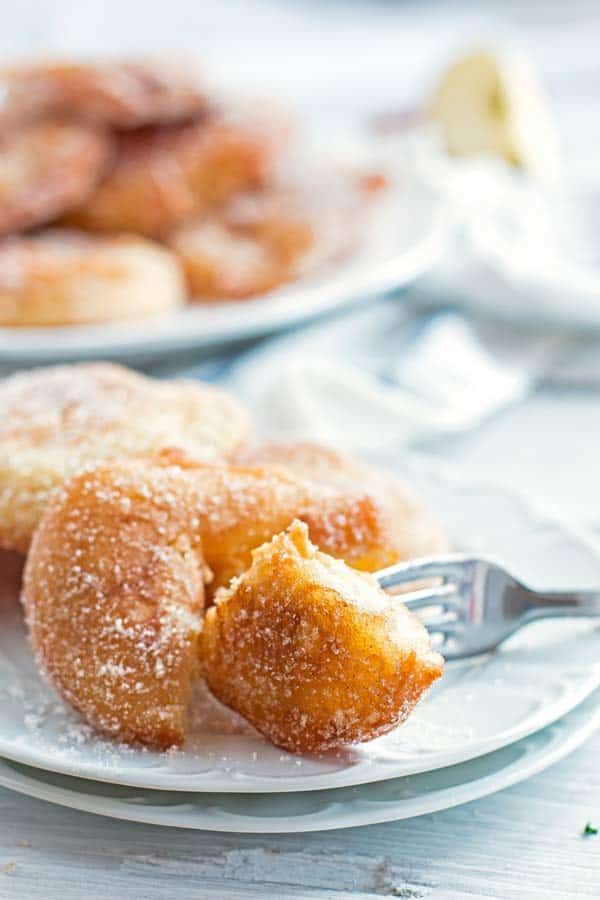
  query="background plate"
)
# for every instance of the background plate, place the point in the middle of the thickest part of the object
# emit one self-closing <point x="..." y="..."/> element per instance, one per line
<point x="400" y="798"/>
<point x="406" y="235"/>
<point x="479" y="705"/>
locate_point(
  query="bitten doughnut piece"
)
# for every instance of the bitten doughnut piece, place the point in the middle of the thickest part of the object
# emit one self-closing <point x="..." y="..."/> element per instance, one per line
<point x="117" y="94"/>
<point x="59" y="277"/>
<point x="113" y="583"/>
<point x="47" y="169"/>
<point x="163" y="176"/>
<point x="313" y="653"/>
<point x="416" y="532"/>
<point x="57" y="420"/>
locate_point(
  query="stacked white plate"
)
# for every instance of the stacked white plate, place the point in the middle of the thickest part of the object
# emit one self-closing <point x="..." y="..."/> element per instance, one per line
<point x="406" y="235"/>
<point x="489" y="723"/>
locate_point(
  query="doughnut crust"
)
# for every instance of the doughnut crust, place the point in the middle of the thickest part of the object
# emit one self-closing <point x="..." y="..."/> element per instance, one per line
<point x="222" y="264"/>
<point x="116" y="94"/>
<point x="255" y="243"/>
<point x="113" y="582"/>
<point x="46" y="169"/>
<point x="57" y="420"/>
<point x="416" y="533"/>
<point x="313" y="653"/>
<point x="114" y="607"/>
<point x="59" y="277"/>
<point x="262" y="239"/>
<point x="163" y="176"/>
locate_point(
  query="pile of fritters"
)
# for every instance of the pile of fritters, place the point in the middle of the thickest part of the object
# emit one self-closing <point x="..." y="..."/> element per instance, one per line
<point x="126" y="190"/>
<point x="161" y="547"/>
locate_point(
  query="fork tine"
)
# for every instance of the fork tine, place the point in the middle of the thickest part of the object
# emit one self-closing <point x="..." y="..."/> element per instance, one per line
<point x="442" y="623"/>
<point x="446" y="567"/>
<point x="433" y="596"/>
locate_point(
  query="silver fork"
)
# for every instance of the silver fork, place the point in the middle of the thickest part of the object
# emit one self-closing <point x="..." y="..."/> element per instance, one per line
<point x="475" y="604"/>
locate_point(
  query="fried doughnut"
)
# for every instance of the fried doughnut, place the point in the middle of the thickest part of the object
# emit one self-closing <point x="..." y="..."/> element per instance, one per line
<point x="60" y="277"/>
<point x="313" y="653"/>
<point x="47" y="169"/>
<point x="220" y="264"/>
<point x="116" y="94"/>
<point x="284" y="221"/>
<point x="415" y="531"/>
<point x="113" y="579"/>
<point x="56" y="420"/>
<point x="114" y="607"/>
<point x="257" y="242"/>
<point x="163" y="176"/>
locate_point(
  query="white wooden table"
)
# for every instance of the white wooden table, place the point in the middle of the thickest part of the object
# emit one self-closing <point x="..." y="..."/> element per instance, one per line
<point x="521" y="844"/>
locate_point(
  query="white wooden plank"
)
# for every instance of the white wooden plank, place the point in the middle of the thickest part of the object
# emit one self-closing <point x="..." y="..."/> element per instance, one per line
<point x="521" y="844"/>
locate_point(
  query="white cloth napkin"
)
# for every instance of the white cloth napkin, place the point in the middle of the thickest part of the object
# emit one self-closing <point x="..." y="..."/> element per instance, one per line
<point x="522" y="250"/>
<point x="378" y="377"/>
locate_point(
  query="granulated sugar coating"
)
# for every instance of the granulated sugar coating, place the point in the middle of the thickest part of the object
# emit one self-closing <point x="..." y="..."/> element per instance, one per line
<point x="114" y="579"/>
<point x="312" y="653"/>
<point x="416" y="532"/>
<point x="57" y="420"/>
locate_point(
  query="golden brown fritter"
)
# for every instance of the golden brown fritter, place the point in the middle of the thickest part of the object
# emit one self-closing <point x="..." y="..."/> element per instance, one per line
<point x="163" y="176"/>
<point x="46" y="169"/>
<point x="416" y="532"/>
<point x="113" y="584"/>
<point x="257" y="242"/>
<point x="113" y="595"/>
<point x="313" y="653"/>
<point x="54" y="421"/>
<point x="61" y="277"/>
<point x="111" y="93"/>
<point x="221" y="264"/>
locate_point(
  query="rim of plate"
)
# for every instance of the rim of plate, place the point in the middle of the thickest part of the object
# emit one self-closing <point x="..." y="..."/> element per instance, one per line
<point x="344" y="283"/>
<point x="211" y="781"/>
<point x="559" y="740"/>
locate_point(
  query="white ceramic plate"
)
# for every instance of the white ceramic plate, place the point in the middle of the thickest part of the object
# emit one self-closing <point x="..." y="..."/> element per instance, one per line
<point x="479" y="705"/>
<point x="405" y="237"/>
<point x="400" y="798"/>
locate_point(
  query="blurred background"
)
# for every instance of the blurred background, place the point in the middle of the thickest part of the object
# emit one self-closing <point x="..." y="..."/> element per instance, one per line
<point x="499" y="349"/>
<point x="333" y="61"/>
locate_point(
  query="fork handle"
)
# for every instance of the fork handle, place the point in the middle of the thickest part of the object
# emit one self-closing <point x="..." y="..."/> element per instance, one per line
<point x="564" y="603"/>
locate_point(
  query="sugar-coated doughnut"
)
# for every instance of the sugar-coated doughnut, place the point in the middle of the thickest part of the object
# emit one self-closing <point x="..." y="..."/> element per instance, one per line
<point x="113" y="595"/>
<point x="416" y="532"/>
<point x="255" y="243"/>
<point x="117" y="94"/>
<point x="222" y="264"/>
<point x="163" y="176"/>
<point x="313" y="653"/>
<point x="46" y="169"/>
<point x="56" y="420"/>
<point x="261" y="239"/>
<point x="113" y="579"/>
<point x="60" y="277"/>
